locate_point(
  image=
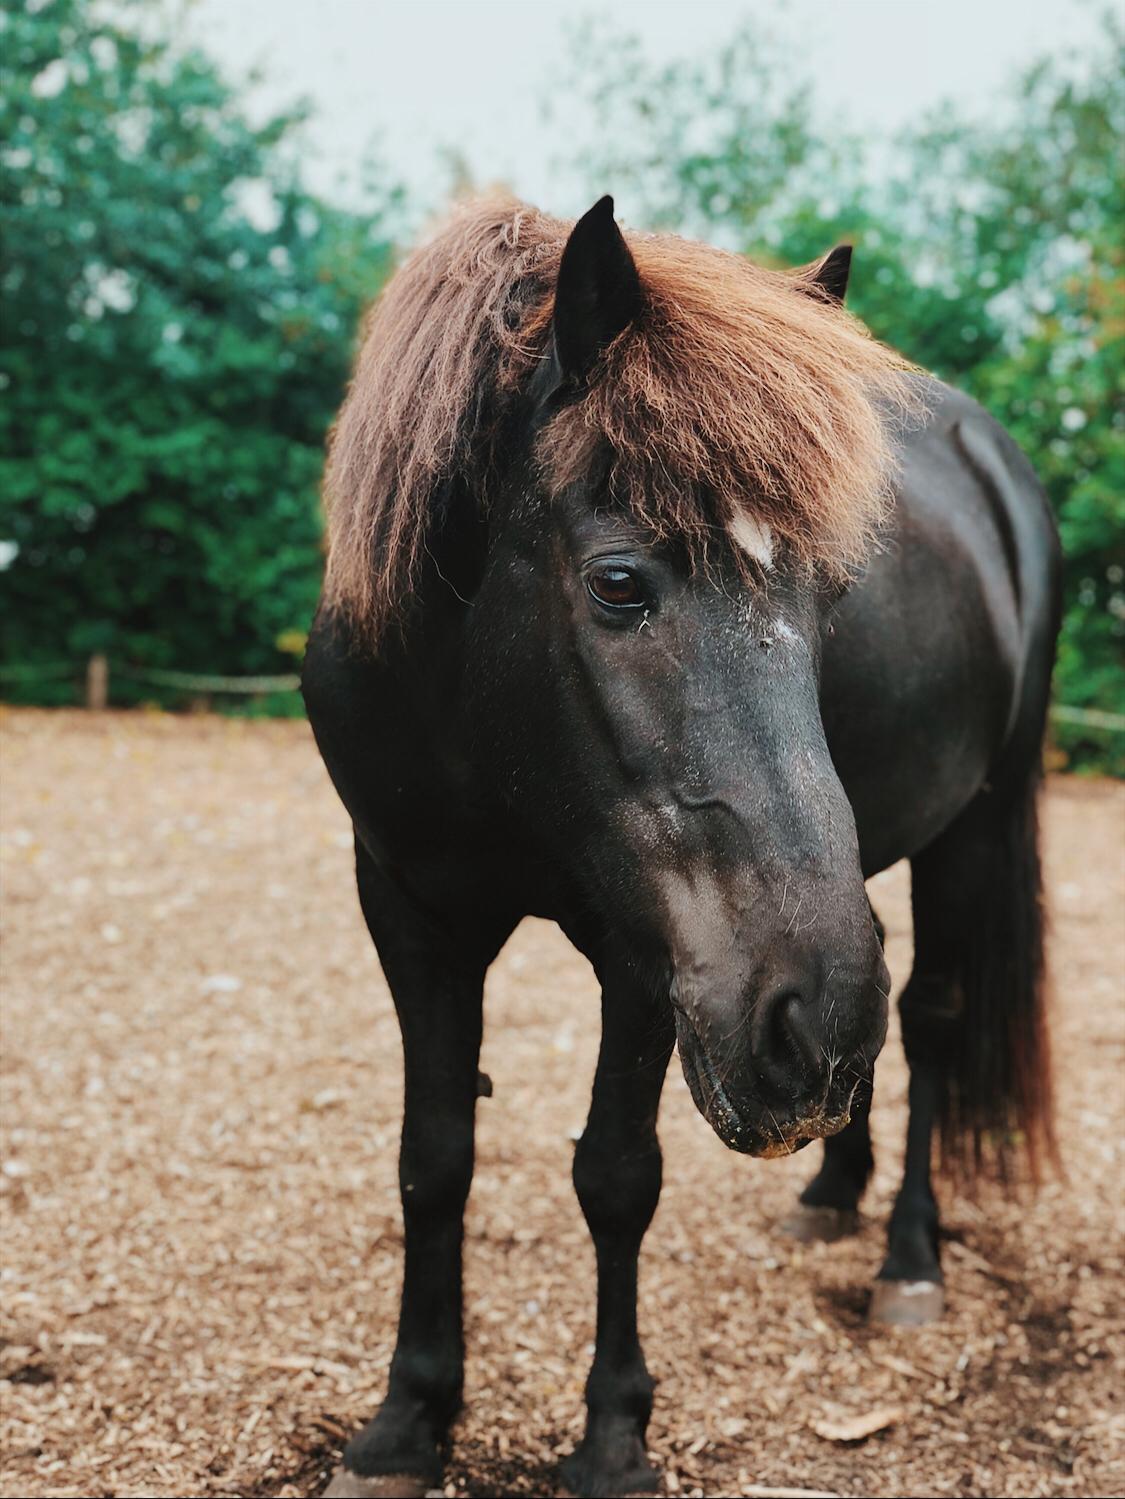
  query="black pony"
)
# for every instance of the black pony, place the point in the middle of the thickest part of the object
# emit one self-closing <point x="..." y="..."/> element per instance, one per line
<point x="665" y="603"/>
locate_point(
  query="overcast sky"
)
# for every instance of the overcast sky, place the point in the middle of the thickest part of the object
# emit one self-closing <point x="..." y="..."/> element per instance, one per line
<point x="473" y="74"/>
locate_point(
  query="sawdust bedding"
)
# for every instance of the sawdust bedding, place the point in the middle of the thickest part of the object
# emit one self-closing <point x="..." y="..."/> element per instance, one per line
<point x="201" y="1241"/>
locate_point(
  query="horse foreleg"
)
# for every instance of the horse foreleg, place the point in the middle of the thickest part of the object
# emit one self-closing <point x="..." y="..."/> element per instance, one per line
<point x="437" y="992"/>
<point x="617" y="1174"/>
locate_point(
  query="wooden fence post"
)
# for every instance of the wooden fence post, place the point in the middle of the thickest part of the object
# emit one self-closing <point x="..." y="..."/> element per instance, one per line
<point x="97" y="682"/>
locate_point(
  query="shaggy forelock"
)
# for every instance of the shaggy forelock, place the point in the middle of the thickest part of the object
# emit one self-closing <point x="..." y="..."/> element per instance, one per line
<point x="736" y="391"/>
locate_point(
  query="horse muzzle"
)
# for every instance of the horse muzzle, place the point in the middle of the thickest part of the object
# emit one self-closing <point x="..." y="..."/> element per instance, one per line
<point x="746" y="1122"/>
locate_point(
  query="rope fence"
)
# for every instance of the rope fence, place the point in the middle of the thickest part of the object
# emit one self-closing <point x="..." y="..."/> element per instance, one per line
<point x="98" y="669"/>
<point x="1090" y="718"/>
<point x="97" y="672"/>
<point x="188" y="681"/>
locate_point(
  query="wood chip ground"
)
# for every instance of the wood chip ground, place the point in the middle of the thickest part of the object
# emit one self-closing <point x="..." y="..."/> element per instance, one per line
<point x="201" y="1238"/>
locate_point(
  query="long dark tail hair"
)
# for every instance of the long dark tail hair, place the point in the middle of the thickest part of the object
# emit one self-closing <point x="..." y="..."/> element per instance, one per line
<point x="998" y="1100"/>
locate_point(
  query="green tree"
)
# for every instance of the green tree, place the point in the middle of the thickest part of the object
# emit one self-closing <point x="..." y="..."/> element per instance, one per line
<point x="719" y="145"/>
<point x="729" y="147"/>
<point x="179" y="316"/>
<point x="1045" y="229"/>
<point x="992" y="257"/>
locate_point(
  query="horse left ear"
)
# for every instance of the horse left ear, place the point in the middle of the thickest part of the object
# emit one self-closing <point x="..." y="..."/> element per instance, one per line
<point x="829" y="275"/>
<point x="598" y="292"/>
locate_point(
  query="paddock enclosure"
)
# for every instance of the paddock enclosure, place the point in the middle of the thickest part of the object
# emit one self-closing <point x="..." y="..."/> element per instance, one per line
<point x="201" y="1238"/>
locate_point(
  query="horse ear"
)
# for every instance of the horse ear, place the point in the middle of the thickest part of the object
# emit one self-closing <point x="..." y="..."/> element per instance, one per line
<point x="829" y="275"/>
<point x="598" y="292"/>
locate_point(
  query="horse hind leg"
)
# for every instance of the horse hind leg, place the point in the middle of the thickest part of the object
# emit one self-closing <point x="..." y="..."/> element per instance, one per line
<point x="973" y="1028"/>
<point x="828" y="1208"/>
<point x="909" y="1290"/>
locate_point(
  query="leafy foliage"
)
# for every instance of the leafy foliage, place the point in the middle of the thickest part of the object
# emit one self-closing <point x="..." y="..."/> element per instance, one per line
<point x="180" y="312"/>
<point x="992" y="256"/>
<point x="177" y="337"/>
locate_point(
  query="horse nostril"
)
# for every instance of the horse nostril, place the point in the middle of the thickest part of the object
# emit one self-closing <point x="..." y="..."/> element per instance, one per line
<point x="802" y="1032"/>
<point x="784" y="1040"/>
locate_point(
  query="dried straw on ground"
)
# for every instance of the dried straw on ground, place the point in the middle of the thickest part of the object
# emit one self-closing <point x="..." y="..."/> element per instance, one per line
<point x="200" y="1232"/>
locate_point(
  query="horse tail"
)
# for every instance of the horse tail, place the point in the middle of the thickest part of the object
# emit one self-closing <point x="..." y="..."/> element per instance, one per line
<point x="998" y="1098"/>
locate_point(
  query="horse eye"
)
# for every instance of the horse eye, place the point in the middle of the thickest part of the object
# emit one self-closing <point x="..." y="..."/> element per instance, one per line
<point x="615" y="587"/>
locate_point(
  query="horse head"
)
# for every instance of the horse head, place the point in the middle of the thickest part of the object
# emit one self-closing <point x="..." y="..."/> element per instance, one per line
<point x="661" y="733"/>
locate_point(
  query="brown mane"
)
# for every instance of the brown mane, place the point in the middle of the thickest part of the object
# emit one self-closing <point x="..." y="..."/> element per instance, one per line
<point x="738" y="391"/>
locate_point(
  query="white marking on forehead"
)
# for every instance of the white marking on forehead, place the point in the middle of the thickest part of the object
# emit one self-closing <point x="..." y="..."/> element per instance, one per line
<point x="754" y="537"/>
<point x="787" y="632"/>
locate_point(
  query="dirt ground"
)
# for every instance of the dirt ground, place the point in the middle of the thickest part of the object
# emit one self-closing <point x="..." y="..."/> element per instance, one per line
<point x="201" y="1237"/>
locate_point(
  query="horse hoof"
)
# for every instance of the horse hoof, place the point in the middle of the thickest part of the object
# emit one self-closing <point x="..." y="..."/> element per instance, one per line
<point x="810" y="1225"/>
<point x="348" y="1485"/>
<point x="636" y="1486"/>
<point x="906" y="1303"/>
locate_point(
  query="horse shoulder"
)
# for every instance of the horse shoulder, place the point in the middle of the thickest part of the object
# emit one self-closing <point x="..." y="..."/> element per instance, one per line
<point x="935" y="649"/>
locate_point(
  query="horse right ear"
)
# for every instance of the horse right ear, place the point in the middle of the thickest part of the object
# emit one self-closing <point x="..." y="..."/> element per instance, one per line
<point x="597" y="295"/>
<point x="828" y="276"/>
